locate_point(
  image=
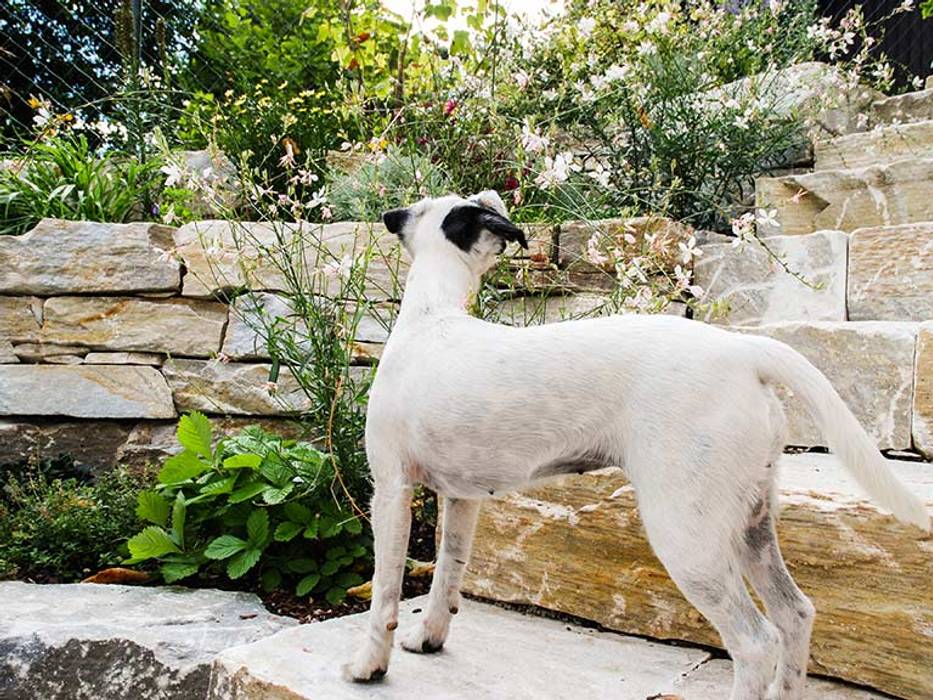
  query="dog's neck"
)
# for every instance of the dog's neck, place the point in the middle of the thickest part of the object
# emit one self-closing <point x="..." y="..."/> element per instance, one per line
<point x="437" y="283"/>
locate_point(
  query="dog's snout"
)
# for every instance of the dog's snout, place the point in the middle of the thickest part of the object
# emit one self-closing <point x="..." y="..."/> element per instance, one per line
<point x="395" y="219"/>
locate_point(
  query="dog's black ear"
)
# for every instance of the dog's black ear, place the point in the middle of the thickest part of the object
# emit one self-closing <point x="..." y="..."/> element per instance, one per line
<point x="395" y="219"/>
<point x="463" y="226"/>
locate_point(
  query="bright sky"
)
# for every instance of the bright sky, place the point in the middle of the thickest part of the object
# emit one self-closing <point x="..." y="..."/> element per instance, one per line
<point x="531" y="8"/>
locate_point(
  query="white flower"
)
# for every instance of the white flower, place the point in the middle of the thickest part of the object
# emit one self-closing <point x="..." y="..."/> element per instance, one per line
<point x="339" y="268"/>
<point x="522" y="79"/>
<point x="689" y="250"/>
<point x="532" y="140"/>
<point x="645" y="48"/>
<point x="556" y="170"/>
<point x="586" y="27"/>
<point x="743" y="228"/>
<point x="593" y="253"/>
<point x="659" y="24"/>
<point x="598" y="81"/>
<point x="317" y="199"/>
<point x="174" y="174"/>
<point x="775" y="6"/>
<point x="630" y="26"/>
<point x="616" y="72"/>
<point x="600" y="174"/>
<point x="767" y="218"/>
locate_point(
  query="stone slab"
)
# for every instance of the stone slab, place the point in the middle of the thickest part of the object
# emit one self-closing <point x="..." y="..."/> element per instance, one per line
<point x="20" y="318"/>
<point x="233" y="388"/>
<point x="221" y="255"/>
<point x="124" y="358"/>
<point x="7" y="356"/>
<point x="577" y="546"/>
<point x="891" y="273"/>
<point x="573" y="236"/>
<point x="542" y="308"/>
<point x="45" y="352"/>
<point x="909" y="107"/>
<point x="491" y="653"/>
<point x="93" y="445"/>
<point x="755" y="287"/>
<point x="186" y="327"/>
<point x="884" y="144"/>
<point x="870" y="364"/>
<point x="78" y="257"/>
<point x="100" y="641"/>
<point x="923" y="392"/>
<point x="879" y="195"/>
<point x="84" y="391"/>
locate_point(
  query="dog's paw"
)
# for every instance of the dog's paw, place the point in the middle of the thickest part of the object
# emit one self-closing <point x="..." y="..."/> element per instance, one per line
<point x="422" y="640"/>
<point x="366" y="667"/>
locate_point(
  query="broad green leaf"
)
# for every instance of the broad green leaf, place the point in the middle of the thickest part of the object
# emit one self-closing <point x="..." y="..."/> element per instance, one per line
<point x="219" y="486"/>
<point x="257" y="526"/>
<point x="243" y="562"/>
<point x="182" y="467"/>
<point x="270" y="579"/>
<point x="178" y="519"/>
<point x="336" y="595"/>
<point x="328" y="527"/>
<point x="349" y="579"/>
<point x="329" y="568"/>
<point x="307" y="584"/>
<point x="311" y="530"/>
<point x="287" y="531"/>
<point x="224" y="546"/>
<point x="175" y="571"/>
<point x="353" y="526"/>
<point x="302" y="565"/>
<point x="244" y="461"/>
<point x="152" y="542"/>
<point x="272" y="495"/>
<point x="297" y="512"/>
<point x="194" y="433"/>
<point x="461" y="43"/>
<point x="246" y="492"/>
<point x="152" y="507"/>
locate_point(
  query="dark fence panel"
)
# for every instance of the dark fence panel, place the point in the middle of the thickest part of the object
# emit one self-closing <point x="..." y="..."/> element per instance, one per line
<point x="907" y="40"/>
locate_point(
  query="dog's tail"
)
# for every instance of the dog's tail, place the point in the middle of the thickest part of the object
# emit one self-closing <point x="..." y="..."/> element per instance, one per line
<point x="781" y="364"/>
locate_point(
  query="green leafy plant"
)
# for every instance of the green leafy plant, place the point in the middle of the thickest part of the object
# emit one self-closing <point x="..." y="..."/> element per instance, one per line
<point x="63" y="177"/>
<point x="251" y="505"/>
<point x="54" y="529"/>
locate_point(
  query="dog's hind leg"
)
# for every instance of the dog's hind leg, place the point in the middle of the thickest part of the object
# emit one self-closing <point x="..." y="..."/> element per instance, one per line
<point x="460" y="515"/>
<point x="706" y="567"/>
<point x="391" y="514"/>
<point x="787" y="606"/>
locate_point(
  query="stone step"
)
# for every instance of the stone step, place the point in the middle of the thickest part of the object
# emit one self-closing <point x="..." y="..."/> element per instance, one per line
<point x="909" y="107"/>
<point x="878" y="195"/>
<point x="110" y="642"/>
<point x="577" y="546"/>
<point x="492" y="653"/>
<point x="884" y="144"/>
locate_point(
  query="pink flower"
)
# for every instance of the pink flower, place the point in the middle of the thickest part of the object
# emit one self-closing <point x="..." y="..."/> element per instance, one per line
<point x="450" y="106"/>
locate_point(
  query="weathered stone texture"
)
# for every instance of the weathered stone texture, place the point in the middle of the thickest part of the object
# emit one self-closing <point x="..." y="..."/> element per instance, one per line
<point x="94" y="641"/>
<point x="93" y="445"/>
<point x="123" y="358"/>
<point x="578" y="546"/>
<point x="759" y="289"/>
<point x="537" y="309"/>
<point x="572" y="239"/>
<point x="51" y="353"/>
<point x="84" y="391"/>
<point x="232" y="388"/>
<point x="185" y="327"/>
<point x="220" y="255"/>
<point x="7" y="356"/>
<point x="923" y="392"/>
<point x="76" y="257"/>
<point x="909" y="107"/>
<point x="20" y="319"/>
<point x="879" y="146"/>
<point x="891" y="273"/>
<point x="870" y="363"/>
<point x="878" y="195"/>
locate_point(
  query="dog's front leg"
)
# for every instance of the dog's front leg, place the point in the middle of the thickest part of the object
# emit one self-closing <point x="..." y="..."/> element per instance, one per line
<point x="391" y="525"/>
<point x="460" y="517"/>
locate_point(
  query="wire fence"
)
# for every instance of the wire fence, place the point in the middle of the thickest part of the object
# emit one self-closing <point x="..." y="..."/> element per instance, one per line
<point x="75" y="55"/>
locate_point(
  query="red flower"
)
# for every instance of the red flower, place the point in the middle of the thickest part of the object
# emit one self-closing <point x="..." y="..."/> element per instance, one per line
<point x="450" y="106"/>
<point x="511" y="183"/>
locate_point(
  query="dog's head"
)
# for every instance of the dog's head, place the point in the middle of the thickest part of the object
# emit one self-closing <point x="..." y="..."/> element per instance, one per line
<point x="477" y="228"/>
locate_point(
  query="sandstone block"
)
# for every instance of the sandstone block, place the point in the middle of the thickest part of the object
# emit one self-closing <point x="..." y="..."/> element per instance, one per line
<point x="93" y="445"/>
<point x="221" y="255"/>
<point x="186" y="327"/>
<point x="923" y="392"/>
<point x="84" y="391"/>
<point x="758" y="288"/>
<point x="123" y="358"/>
<point x="626" y="235"/>
<point x="880" y="195"/>
<point x="7" y="356"/>
<point x="891" y="273"/>
<point x="20" y="318"/>
<point x="871" y="365"/>
<point x="542" y="308"/>
<point x="878" y="146"/>
<point x="577" y="546"/>
<point x="71" y="257"/>
<point x="105" y="641"/>
<point x="909" y="107"/>
<point x="233" y="388"/>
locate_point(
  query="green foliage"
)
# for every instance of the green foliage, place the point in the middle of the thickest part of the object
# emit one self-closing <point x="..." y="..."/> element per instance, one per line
<point x="392" y="179"/>
<point x="63" y="177"/>
<point x="54" y="529"/>
<point x="926" y="9"/>
<point x="252" y="505"/>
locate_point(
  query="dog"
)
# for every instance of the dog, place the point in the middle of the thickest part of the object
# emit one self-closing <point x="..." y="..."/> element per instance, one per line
<point x="686" y="409"/>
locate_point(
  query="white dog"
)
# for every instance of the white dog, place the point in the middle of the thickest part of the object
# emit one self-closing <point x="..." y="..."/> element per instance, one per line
<point x="472" y="409"/>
